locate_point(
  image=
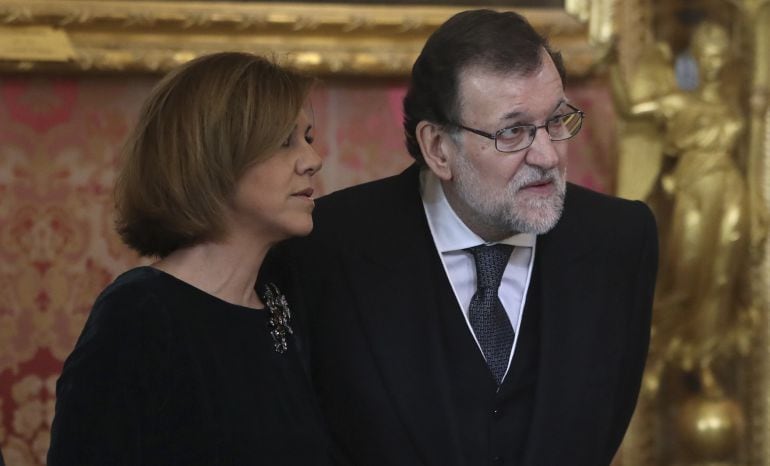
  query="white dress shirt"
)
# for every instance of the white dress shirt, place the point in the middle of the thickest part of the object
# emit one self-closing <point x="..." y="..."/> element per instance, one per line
<point x="451" y="236"/>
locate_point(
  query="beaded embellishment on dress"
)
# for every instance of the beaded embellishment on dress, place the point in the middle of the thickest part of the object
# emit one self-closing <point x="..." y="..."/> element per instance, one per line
<point x="278" y="320"/>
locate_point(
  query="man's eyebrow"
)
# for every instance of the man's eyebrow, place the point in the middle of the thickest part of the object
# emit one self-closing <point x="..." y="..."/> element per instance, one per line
<point x="512" y="115"/>
<point x="517" y="113"/>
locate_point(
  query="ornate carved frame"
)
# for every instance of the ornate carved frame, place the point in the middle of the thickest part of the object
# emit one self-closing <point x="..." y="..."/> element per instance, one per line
<point x="352" y="39"/>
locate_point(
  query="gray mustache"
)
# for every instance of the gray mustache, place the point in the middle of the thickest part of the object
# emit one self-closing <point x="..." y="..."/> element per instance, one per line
<point x="530" y="175"/>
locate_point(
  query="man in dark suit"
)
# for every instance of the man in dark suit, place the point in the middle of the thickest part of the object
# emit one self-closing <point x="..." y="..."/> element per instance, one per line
<point x="478" y="309"/>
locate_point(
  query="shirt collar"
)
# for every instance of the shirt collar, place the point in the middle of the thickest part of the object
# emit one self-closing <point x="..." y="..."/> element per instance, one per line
<point x="449" y="232"/>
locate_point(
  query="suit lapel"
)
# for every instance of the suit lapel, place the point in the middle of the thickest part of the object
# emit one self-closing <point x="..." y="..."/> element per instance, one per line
<point x="398" y="312"/>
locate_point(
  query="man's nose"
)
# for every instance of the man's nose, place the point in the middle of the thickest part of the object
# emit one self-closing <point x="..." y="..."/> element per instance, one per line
<point x="542" y="152"/>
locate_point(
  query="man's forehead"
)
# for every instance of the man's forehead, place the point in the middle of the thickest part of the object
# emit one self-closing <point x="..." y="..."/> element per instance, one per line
<point x="513" y="90"/>
<point x="479" y="71"/>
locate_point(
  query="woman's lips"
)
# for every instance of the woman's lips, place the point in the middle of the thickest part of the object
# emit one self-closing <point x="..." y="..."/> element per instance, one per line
<point x="304" y="193"/>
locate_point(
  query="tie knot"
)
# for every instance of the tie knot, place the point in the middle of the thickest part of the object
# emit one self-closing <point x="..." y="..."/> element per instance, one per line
<point x="490" y="264"/>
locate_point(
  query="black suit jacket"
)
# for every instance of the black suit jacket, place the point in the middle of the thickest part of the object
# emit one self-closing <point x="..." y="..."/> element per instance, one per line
<point x="366" y="286"/>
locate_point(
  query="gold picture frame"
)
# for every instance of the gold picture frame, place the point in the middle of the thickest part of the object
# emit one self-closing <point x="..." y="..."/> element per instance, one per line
<point x="372" y="39"/>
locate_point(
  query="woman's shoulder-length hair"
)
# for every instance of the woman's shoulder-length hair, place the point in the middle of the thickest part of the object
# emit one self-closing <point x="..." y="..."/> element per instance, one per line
<point x="199" y="130"/>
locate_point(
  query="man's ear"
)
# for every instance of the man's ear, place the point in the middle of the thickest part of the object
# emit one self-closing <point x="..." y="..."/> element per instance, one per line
<point x="433" y="144"/>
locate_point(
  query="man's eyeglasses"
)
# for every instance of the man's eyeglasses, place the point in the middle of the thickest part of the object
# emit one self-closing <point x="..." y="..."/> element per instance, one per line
<point x="519" y="137"/>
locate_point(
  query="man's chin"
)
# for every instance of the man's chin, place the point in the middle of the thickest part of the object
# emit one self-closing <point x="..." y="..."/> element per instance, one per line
<point x="540" y="219"/>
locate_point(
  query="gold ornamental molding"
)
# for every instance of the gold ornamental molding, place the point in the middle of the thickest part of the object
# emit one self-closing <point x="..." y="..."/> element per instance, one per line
<point x="323" y="38"/>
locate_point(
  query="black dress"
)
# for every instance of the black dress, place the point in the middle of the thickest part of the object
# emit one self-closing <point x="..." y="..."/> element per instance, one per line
<point x="166" y="374"/>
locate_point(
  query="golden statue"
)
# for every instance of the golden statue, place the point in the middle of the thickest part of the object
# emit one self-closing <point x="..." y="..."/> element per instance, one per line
<point x="678" y="153"/>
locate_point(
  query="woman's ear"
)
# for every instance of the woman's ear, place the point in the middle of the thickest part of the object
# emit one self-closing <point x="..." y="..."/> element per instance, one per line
<point x="432" y="141"/>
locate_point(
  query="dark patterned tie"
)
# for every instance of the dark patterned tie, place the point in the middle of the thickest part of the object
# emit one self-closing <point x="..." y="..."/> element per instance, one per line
<point x="487" y="316"/>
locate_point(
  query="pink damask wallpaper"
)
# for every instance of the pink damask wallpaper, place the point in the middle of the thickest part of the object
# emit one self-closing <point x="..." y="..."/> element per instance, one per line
<point x="59" y="139"/>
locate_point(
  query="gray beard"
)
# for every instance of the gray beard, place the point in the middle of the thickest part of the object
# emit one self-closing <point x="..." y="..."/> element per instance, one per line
<point x="504" y="212"/>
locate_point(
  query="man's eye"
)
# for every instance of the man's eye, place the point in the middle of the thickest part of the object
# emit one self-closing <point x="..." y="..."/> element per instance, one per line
<point x="513" y="133"/>
<point x="559" y="119"/>
<point x="309" y="138"/>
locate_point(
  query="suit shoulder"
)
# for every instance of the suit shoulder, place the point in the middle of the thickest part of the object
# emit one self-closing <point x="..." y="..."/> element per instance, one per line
<point x="588" y="203"/>
<point x="369" y="208"/>
<point x="354" y="196"/>
<point x="606" y="218"/>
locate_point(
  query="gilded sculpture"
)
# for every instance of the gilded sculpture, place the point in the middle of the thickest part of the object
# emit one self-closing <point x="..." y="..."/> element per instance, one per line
<point x="688" y="142"/>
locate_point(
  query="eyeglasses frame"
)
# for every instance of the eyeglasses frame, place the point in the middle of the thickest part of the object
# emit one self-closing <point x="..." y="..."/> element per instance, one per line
<point x="498" y="132"/>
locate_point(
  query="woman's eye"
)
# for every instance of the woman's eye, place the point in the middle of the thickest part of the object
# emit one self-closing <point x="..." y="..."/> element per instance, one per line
<point x="309" y="138"/>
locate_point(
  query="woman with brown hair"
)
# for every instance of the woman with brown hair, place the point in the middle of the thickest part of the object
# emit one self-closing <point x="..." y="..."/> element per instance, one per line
<point x="185" y="361"/>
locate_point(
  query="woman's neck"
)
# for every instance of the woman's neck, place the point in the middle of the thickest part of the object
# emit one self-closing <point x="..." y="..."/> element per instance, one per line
<point x="226" y="269"/>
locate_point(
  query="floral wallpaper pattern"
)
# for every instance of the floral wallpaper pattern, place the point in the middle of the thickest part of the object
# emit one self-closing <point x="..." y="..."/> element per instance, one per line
<point x="59" y="140"/>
